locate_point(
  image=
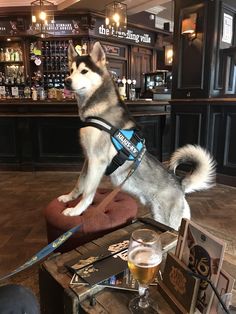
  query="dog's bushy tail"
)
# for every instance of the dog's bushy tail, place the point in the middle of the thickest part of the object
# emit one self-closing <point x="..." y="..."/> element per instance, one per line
<point x="203" y="175"/>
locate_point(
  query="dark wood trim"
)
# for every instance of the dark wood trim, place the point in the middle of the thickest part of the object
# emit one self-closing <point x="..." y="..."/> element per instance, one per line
<point x="229" y="100"/>
<point x="226" y="179"/>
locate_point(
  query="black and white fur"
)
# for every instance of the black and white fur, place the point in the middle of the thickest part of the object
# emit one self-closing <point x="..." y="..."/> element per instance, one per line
<point x="160" y="189"/>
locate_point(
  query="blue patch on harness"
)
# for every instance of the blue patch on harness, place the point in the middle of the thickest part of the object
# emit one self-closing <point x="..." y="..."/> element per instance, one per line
<point x="128" y="135"/>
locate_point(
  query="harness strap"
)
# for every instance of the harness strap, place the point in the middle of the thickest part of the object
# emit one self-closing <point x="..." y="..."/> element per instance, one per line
<point x="128" y="143"/>
<point x="101" y="124"/>
<point x="121" y="156"/>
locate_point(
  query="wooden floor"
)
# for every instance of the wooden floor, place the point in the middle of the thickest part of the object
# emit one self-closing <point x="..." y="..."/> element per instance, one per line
<point x="24" y="195"/>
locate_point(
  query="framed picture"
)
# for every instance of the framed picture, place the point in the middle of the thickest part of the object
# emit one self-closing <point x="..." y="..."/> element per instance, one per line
<point x="225" y="285"/>
<point x="181" y="287"/>
<point x="227" y="31"/>
<point x="203" y="254"/>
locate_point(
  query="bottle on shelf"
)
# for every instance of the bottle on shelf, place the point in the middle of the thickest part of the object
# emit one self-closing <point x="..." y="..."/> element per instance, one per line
<point x="2" y="86"/>
<point x="122" y="87"/>
<point x="12" y="54"/>
<point x="2" y="80"/>
<point x="8" y="93"/>
<point x="41" y="93"/>
<point x="27" y="91"/>
<point x="17" y="55"/>
<point x="6" y="80"/>
<point x="131" y="89"/>
<point x="7" y="55"/>
<point x="54" y="66"/>
<point x="22" y="78"/>
<point x="2" y="55"/>
<point x="34" y="93"/>
<point x="20" y="55"/>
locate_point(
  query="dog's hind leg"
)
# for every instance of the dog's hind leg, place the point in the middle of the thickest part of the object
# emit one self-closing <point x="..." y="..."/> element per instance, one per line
<point x="158" y="214"/>
<point x="96" y="169"/>
<point x="178" y="212"/>
<point x="79" y="187"/>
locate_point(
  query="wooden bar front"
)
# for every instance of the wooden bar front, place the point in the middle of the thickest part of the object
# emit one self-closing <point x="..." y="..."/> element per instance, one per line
<point x="210" y="123"/>
<point x="43" y="135"/>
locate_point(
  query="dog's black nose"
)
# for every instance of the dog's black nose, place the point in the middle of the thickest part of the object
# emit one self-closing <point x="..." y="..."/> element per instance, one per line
<point x="68" y="82"/>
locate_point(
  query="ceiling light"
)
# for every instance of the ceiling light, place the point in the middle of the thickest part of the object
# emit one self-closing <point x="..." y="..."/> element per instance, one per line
<point x="116" y="17"/>
<point x="42" y="14"/>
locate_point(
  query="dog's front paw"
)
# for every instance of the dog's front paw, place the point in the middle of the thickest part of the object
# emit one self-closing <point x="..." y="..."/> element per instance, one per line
<point x="71" y="211"/>
<point x="64" y="198"/>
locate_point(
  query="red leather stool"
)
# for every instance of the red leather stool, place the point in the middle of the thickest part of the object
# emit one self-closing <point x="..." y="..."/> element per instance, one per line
<point x="95" y="223"/>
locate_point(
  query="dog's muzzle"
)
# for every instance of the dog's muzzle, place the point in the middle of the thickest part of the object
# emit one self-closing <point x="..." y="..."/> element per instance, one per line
<point x="68" y="83"/>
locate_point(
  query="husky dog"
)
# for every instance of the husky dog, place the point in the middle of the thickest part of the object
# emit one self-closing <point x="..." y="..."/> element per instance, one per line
<point x="160" y="189"/>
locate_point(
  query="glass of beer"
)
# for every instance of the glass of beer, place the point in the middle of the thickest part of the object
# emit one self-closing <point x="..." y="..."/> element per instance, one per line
<point x="144" y="259"/>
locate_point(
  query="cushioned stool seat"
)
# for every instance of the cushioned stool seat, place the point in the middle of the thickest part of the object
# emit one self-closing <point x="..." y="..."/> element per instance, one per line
<point x="95" y="223"/>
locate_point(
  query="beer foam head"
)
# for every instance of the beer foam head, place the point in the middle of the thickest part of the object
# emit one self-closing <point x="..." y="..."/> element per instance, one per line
<point x="145" y="256"/>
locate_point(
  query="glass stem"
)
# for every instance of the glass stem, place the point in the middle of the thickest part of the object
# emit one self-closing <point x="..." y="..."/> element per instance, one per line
<point x="143" y="296"/>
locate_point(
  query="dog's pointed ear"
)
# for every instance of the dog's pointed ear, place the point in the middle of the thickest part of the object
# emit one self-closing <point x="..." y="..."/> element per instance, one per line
<point x="71" y="54"/>
<point x="98" y="55"/>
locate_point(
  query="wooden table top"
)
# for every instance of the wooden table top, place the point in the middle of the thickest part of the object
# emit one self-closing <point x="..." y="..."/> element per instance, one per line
<point x="105" y="300"/>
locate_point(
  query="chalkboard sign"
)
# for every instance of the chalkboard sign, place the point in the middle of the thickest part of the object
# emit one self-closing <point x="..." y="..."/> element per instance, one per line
<point x="58" y="28"/>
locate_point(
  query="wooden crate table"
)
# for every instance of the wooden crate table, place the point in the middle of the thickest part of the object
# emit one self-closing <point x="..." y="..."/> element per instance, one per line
<point x="57" y="296"/>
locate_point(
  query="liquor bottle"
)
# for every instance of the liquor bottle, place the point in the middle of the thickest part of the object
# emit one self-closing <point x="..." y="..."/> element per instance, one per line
<point x="6" y="80"/>
<point x="12" y="80"/>
<point x="132" y="92"/>
<point x="18" y="79"/>
<point x="22" y="78"/>
<point x="20" y="55"/>
<point x="50" y="81"/>
<point x="48" y="63"/>
<point x="2" y="55"/>
<point x="1" y="78"/>
<point x="63" y="80"/>
<point x="57" y="63"/>
<point x="122" y="88"/>
<point x="17" y="55"/>
<point x="34" y="93"/>
<point x="66" y="67"/>
<point x="61" y="48"/>
<point x="53" y="76"/>
<point x="7" y="55"/>
<point x="41" y="89"/>
<point x="2" y="86"/>
<point x="43" y="48"/>
<point x="12" y="55"/>
<point x="7" y="93"/>
<point x="47" y="49"/>
<point x="27" y="91"/>
<point x="62" y="63"/>
<point x="57" y="47"/>
<point x="52" y="63"/>
<point x="55" y="80"/>
<point x="65" y="46"/>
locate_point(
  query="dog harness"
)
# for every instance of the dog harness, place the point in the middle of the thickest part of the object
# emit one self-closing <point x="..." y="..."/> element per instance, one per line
<point x="129" y="143"/>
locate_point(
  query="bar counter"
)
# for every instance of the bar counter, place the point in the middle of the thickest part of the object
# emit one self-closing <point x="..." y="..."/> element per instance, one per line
<point x="215" y="101"/>
<point x="68" y="107"/>
<point x="43" y="135"/>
